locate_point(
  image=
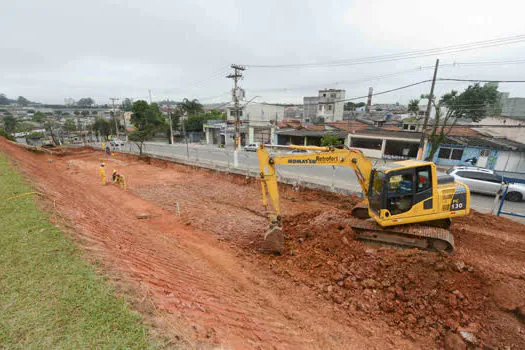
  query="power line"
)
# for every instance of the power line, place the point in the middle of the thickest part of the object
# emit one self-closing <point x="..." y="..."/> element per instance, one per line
<point x="403" y="55"/>
<point x="482" y="80"/>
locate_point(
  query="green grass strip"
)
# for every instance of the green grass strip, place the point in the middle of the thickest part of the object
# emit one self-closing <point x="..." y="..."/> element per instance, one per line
<point x="49" y="296"/>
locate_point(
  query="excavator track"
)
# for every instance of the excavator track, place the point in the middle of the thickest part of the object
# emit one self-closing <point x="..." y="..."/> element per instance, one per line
<point x="417" y="236"/>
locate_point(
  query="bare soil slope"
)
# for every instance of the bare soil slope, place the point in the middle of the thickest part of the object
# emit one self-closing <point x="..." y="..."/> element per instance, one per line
<point x="199" y="278"/>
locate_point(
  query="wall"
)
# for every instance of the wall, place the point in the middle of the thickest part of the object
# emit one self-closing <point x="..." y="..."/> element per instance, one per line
<point x="515" y="134"/>
<point x="511" y="161"/>
<point x="260" y="113"/>
<point x="513" y="107"/>
<point x="310" y="107"/>
<point x="468" y="152"/>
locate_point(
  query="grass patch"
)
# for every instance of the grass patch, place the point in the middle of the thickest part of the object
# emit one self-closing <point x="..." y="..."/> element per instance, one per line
<point x="49" y="296"/>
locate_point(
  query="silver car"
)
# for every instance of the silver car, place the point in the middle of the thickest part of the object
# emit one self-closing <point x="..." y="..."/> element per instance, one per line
<point x="486" y="181"/>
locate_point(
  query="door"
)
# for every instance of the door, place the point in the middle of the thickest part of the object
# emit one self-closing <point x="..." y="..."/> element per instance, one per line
<point x="483" y="158"/>
<point x="400" y="191"/>
<point x="492" y="183"/>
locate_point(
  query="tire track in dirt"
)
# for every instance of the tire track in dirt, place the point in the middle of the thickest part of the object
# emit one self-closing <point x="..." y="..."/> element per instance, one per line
<point x="196" y="281"/>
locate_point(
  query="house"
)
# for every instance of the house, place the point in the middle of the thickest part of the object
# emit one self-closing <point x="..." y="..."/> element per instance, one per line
<point x="493" y="153"/>
<point x="509" y="123"/>
<point x="328" y="105"/>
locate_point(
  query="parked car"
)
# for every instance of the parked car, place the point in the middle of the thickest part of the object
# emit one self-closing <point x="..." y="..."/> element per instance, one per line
<point x="486" y="181"/>
<point x="116" y="142"/>
<point x="252" y="147"/>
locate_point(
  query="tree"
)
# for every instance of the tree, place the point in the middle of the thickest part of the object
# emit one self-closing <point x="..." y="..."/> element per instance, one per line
<point x="101" y="126"/>
<point x="349" y="106"/>
<point x="126" y="105"/>
<point x="84" y="113"/>
<point x="474" y="104"/>
<point x="191" y="107"/>
<point x="112" y="125"/>
<point x="76" y="112"/>
<point x="413" y="106"/>
<point x="86" y="102"/>
<point x="51" y="125"/>
<point x="147" y="120"/>
<point x="4" y="100"/>
<point x="38" y="117"/>
<point x="22" y="101"/>
<point x="330" y="140"/>
<point x="94" y="112"/>
<point x="8" y="136"/>
<point x="196" y="122"/>
<point x="70" y="125"/>
<point x="10" y="124"/>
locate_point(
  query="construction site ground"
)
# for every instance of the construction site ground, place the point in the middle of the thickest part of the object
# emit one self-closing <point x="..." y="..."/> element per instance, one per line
<point x="182" y="246"/>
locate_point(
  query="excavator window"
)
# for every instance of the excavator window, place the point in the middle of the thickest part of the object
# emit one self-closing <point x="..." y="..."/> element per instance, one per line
<point x="400" y="192"/>
<point x="375" y="192"/>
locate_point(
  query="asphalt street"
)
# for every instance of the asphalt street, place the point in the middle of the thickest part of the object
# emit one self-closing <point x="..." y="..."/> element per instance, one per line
<point x="338" y="176"/>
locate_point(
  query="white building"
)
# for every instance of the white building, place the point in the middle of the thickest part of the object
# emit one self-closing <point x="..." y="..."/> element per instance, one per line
<point x="331" y="105"/>
<point x="258" y="114"/>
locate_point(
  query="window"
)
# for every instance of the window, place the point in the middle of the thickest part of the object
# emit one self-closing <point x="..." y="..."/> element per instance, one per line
<point x="324" y="95"/>
<point x="423" y="179"/>
<point x="457" y="153"/>
<point x="484" y="153"/>
<point x="400" y="191"/>
<point x="329" y="107"/>
<point x="450" y="153"/>
<point x="444" y="153"/>
<point x="412" y="127"/>
<point x="400" y="184"/>
<point x="332" y="95"/>
<point x="320" y="107"/>
<point x="405" y="126"/>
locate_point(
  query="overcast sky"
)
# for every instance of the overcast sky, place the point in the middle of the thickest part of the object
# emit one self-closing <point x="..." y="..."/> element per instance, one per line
<point x="114" y="48"/>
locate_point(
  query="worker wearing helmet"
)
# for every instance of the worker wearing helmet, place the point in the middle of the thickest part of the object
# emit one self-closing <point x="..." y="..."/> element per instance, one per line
<point x="121" y="181"/>
<point x="114" y="175"/>
<point x="102" y="172"/>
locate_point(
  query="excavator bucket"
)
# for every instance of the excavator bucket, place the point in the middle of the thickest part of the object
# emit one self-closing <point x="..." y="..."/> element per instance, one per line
<point x="273" y="240"/>
<point x="360" y="210"/>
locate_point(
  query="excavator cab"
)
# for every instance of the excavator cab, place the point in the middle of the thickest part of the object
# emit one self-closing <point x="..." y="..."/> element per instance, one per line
<point x="410" y="192"/>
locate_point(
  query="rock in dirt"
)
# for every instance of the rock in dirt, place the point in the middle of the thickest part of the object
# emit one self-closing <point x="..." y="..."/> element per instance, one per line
<point x="371" y="284"/>
<point x="469" y="337"/>
<point x="454" y="341"/>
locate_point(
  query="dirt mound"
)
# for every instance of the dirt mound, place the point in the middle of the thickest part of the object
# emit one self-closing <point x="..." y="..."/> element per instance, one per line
<point x="417" y="293"/>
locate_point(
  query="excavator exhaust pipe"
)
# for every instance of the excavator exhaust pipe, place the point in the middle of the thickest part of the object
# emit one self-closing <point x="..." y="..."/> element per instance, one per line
<point x="273" y="240"/>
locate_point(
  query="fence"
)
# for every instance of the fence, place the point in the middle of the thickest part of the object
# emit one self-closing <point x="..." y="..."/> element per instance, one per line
<point x="501" y="197"/>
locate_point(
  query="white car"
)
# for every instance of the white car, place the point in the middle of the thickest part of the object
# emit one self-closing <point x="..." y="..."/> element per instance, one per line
<point x="486" y="181"/>
<point x="116" y="142"/>
<point x="252" y="147"/>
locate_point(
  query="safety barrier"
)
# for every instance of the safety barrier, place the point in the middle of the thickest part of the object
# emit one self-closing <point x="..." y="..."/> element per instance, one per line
<point x="501" y="196"/>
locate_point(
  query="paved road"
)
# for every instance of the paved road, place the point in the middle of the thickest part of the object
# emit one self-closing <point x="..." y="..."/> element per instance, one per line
<point x="340" y="177"/>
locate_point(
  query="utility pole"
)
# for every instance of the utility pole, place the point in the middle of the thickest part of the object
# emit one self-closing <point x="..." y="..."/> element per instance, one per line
<point x="427" y="114"/>
<point x="171" y="124"/>
<point x="113" y="99"/>
<point x="236" y="76"/>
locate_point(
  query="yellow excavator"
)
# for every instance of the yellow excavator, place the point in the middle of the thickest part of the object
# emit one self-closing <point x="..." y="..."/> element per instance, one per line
<point x="406" y="203"/>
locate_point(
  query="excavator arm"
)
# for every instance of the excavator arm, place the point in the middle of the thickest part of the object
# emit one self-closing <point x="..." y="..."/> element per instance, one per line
<point x="325" y="156"/>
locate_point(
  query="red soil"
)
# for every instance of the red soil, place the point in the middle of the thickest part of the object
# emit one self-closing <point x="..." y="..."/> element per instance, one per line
<point x="200" y="281"/>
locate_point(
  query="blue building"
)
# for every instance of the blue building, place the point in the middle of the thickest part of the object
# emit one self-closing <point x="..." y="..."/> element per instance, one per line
<point x="491" y="153"/>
